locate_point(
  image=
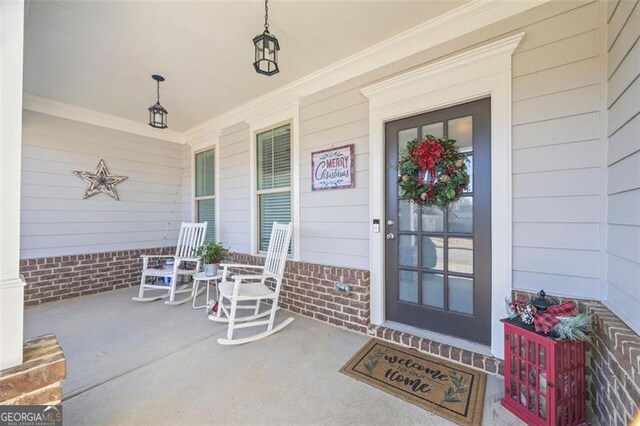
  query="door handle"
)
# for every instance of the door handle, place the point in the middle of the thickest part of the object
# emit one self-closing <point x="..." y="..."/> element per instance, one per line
<point x="390" y="236"/>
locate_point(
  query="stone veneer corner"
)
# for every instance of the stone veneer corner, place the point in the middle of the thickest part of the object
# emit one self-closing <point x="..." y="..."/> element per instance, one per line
<point x="38" y="380"/>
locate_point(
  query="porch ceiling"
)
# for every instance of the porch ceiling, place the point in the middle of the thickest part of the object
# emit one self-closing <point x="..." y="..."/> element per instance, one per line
<point x="100" y="55"/>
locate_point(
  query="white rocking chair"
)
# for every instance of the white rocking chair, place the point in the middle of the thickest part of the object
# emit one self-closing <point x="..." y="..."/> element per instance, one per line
<point x="190" y="238"/>
<point x="241" y="288"/>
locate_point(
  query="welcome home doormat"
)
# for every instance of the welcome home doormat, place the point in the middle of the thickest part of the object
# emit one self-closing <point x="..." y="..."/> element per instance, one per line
<point x="449" y="390"/>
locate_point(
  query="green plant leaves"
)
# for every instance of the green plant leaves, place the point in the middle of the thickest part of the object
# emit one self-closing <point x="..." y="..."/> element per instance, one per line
<point x="212" y="252"/>
<point x="453" y="393"/>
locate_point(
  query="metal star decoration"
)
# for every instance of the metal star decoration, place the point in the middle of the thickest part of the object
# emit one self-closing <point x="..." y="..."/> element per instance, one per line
<point x="100" y="181"/>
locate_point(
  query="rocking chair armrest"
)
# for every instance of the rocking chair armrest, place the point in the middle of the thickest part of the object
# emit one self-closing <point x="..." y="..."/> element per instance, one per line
<point x="187" y="259"/>
<point x="240" y="265"/>
<point x="238" y="278"/>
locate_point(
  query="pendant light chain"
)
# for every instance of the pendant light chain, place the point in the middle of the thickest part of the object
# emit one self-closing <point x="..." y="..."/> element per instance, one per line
<point x="266" y="48"/>
<point x="157" y="113"/>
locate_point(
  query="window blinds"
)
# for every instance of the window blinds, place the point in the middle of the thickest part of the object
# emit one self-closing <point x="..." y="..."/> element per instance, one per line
<point x="273" y="180"/>
<point x="274" y="158"/>
<point x="205" y="191"/>
<point x="205" y="183"/>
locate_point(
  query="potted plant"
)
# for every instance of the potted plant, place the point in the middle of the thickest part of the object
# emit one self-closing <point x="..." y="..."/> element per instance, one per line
<point x="212" y="254"/>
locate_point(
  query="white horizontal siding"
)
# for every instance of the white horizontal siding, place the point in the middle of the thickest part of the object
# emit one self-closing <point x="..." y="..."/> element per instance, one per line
<point x="624" y="75"/>
<point x="56" y="220"/>
<point x="625" y="142"/>
<point x="565" y="156"/>
<point x="556" y="155"/>
<point x="575" y="263"/>
<point x="624" y="208"/>
<point x="187" y="185"/>
<point x="576" y="101"/>
<point x="559" y="183"/>
<point x="574" y="209"/>
<point x="556" y="54"/>
<point x="556" y="177"/>
<point x="623" y="201"/>
<point x="334" y="224"/>
<point x="578" y="18"/>
<point x="623" y="41"/>
<point x="579" y="236"/>
<point x="234" y="197"/>
<point x="560" y="130"/>
<point x="561" y="285"/>
<point x="560" y="78"/>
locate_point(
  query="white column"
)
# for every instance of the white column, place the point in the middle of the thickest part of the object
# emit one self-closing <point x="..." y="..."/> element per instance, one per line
<point x="11" y="285"/>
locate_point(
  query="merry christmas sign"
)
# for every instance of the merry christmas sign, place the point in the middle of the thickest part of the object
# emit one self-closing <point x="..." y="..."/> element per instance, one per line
<point x="333" y="168"/>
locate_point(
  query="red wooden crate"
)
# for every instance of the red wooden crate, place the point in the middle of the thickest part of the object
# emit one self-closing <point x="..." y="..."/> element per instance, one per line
<point x="544" y="378"/>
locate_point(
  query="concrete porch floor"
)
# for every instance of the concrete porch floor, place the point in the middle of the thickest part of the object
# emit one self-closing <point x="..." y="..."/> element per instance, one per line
<point x="144" y="363"/>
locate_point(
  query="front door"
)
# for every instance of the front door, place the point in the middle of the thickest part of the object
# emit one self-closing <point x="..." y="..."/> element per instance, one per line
<point x="438" y="261"/>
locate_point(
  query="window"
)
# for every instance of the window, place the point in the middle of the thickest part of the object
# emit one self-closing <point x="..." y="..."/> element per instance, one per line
<point x="205" y="191"/>
<point x="273" y="181"/>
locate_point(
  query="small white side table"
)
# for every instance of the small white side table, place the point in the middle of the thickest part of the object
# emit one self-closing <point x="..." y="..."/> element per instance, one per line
<point x="201" y="277"/>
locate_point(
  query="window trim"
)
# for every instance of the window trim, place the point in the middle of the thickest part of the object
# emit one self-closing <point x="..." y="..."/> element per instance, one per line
<point x="216" y="187"/>
<point x="287" y="114"/>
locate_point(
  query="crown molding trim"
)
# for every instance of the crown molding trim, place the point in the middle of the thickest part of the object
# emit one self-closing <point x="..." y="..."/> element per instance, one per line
<point x="460" y="21"/>
<point x="76" y="113"/>
<point x="455" y="23"/>
<point x="506" y="45"/>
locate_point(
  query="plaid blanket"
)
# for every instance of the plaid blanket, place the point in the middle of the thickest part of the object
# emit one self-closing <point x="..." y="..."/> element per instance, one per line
<point x="544" y="321"/>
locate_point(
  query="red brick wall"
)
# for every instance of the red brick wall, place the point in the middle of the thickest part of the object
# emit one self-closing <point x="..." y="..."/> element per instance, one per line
<point x="472" y="359"/>
<point x="309" y="289"/>
<point x="613" y="365"/>
<point x="63" y="277"/>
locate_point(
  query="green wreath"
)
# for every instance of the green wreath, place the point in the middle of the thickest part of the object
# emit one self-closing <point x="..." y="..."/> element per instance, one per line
<point x="432" y="172"/>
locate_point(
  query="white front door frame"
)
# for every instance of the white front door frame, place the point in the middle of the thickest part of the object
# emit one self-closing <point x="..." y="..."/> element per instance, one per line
<point x="474" y="74"/>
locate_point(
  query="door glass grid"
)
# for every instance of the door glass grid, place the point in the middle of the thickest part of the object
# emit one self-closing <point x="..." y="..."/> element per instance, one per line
<point x="436" y="244"/>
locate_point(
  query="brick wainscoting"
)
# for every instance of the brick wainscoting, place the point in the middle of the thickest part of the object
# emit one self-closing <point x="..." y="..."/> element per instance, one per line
<point x="309" y="289"/>
<point x="63" y="277"/>
<point x="472" y="359"/>
<point x="613" y="365"/>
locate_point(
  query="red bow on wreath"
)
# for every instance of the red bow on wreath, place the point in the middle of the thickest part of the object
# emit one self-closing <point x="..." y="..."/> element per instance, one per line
<point x="427" y="155"/>
<point x="545" y="321"/>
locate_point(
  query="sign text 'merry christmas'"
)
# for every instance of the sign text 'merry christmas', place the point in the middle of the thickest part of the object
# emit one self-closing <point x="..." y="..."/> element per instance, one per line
<point x="333" y="168"/>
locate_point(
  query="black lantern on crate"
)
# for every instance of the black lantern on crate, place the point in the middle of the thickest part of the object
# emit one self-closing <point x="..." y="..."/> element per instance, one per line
<point x="266" y="49"/>
<point x="157" y="113"/>
<point x="542" y="302"/>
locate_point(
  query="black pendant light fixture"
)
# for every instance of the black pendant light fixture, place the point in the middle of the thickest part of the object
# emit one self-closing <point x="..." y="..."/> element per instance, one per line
<point x="267" y="46"/>
<point x="157" y="113"/>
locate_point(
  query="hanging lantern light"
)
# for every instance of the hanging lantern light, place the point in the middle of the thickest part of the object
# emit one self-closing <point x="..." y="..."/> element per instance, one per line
<point x="267" y="46"/>
<point x="157" y="113"/>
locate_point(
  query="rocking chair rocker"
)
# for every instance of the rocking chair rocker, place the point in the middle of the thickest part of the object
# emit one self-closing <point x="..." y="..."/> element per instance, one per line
<point x="190" y="238"/>
<point x="242" y="288"/>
